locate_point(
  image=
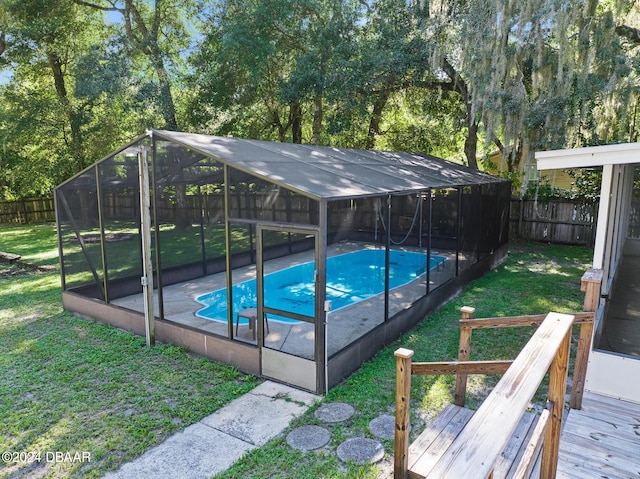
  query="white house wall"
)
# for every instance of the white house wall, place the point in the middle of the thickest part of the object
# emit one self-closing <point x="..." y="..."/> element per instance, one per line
<point x="614" y="235"/>
<point x="602" y="226"/>
<point x="607" y="373"/>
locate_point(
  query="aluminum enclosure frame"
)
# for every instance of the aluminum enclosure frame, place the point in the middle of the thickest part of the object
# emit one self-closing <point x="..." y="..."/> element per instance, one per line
<point x="209" y="197"/>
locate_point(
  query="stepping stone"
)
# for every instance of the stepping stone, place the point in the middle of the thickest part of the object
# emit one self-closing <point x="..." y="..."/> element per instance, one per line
<point x="308" y="438"/>
<point x="334" y="412"/>
<point x="360" y="450"/>
<point x="383" y="426"/>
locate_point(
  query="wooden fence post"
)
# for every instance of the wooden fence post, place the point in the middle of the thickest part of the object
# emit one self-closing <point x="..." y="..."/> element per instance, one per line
<point x="464" y="353"/>
<point x="590" y="285"/>
<point x="403" y="413"/>
<point x="520" y="218"/>
<point x="557" y="389"/>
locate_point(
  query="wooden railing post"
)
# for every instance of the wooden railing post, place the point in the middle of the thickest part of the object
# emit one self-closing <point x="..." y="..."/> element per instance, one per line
<point x="403" y="413"/>
<point x="464" y="352"/>
<point x="590" y="285"/>
<point x="557" y="389"/>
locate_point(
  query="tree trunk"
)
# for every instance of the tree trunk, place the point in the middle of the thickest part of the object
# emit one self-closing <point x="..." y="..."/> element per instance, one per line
<point x="374" y="121"/>
<point x="471" y="143"/>
<point x="296" y="122"/>
<point x="183" y="220"/>
<point x="87" y="201"/>
<point x="282" y="129"/>
<point x="74" y="117"/>
<point x="166" y="98"/>
<point x="376" y="114"/>
<point x="318" y="107"/>
<point x="459" y="85"/>
<point x="317" y="117"/>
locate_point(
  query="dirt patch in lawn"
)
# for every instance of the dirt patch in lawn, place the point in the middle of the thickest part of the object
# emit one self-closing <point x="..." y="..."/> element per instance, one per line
<point x="21" y="268"/>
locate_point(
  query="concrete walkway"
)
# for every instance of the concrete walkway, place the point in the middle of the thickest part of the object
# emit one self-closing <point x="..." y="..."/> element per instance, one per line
<point x="217" y="441"/>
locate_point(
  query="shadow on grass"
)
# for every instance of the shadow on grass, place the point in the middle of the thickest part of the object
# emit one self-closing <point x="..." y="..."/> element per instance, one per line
<point x="73" y="385"/>
<point x="534" y="279"/>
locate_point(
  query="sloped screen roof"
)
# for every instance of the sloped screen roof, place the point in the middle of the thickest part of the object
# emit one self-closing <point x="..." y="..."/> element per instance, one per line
<point x="332" y="173"/>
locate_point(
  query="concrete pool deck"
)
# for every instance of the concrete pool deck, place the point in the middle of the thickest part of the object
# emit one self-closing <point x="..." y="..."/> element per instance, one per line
<point x="345" y="325"/>
<point x="220" y="439"/>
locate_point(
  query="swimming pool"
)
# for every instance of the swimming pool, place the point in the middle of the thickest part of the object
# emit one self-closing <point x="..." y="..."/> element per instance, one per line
<point x="351" y="278"/>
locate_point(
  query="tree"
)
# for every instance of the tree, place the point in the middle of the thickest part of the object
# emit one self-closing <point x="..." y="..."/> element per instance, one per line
<point x="443" y="76"/>
<point x="538" y="72"/>
<point x="71" y="98"/>
<point x="263" y="66"/>
<point x="392" y="57"/>
<point x="40" y="34"/>
<point x="395" y="62"/>
<point x="236" y="69"/>
<point x="44" y="123"/>
<point x="325" y="44"/>
<point x="157" y="31"/>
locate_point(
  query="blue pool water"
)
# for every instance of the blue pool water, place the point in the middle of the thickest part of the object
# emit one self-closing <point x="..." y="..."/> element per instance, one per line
<point x="351" y="277"/>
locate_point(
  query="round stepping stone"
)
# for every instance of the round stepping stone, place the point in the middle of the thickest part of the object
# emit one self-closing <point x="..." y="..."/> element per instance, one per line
<point x="360" y="450"/>
<point x="383" y="426"/>
<point x="308" y="438"/>
<point x="334" y="412"/>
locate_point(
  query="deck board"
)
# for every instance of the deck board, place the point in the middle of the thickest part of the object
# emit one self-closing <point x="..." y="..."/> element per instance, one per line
<point x="510" y="458"/>
<point x="440" y="433"/>
<point x="438" y="436"/>
<point x="601" y="441"/>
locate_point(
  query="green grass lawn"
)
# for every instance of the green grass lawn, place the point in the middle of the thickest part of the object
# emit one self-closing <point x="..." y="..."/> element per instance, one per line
<point x="535" y="278"/>
<point x="36" y="243"/>
<point x="70" y="384"/>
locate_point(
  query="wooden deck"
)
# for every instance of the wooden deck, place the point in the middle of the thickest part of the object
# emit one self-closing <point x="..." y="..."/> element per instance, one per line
<point x="500" y="439"/>
<point x="598" y="438"/>
<point x="439" y="434"/>
<point x="602" y="440"/>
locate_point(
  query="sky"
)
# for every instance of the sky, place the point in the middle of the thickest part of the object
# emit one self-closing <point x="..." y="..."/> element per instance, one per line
<point x="5" y="76"/>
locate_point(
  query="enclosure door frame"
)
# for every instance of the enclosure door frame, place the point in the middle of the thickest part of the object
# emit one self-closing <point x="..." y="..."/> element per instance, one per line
<point x="288" y="368"/>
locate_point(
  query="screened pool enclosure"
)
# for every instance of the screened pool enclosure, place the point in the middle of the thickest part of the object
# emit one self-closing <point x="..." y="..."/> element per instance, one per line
<point x="292" y="262"/>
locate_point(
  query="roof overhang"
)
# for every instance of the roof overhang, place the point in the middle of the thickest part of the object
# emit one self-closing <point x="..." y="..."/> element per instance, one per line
<point x="623" y="153"/>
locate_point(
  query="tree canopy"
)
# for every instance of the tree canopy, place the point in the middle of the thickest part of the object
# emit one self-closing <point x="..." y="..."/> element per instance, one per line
<point x="455" y="78"/>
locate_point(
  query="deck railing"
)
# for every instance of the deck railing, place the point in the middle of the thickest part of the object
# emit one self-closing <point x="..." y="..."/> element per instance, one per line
<point x="590" y="285"/>
<point x="474" y="452"/>
<point x="476" y="449"/>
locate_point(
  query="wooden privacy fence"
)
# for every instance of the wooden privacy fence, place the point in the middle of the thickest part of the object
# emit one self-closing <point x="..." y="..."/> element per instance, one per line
<point x="27" y="211"/>
<point x="500" y="439"/>
<point x="555" y="220"/>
